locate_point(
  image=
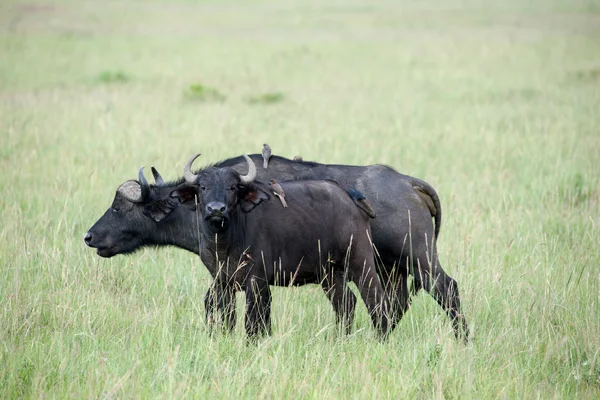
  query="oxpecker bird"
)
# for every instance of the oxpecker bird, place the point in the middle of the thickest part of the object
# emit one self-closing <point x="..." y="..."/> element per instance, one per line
<point x="278" y="191"/>
<point x="266" y="153"/>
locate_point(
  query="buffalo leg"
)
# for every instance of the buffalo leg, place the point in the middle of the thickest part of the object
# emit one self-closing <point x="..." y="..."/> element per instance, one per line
<point x="222" y="300"/>
<point x="395" y="282"/>
<point x="341" y="297"/>
<point x="402" y="298"/>
<point x="227" y="306"/>
<point x="210" y="306"/>
<point x="444" y="290"/>
<point x="258" y="306"/>
<point x="366" y="279"/>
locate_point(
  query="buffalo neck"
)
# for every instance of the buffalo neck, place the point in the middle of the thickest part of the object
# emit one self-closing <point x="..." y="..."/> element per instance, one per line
<point x="180" y="231"/>
<point x="222" y="250"/>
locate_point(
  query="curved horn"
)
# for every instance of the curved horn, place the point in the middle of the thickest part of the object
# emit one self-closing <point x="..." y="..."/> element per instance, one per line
<point x="143" y="184"/>
<point x="157" y="178"/>
<point x="187" y="170"/>
<point x="251" y="171"/>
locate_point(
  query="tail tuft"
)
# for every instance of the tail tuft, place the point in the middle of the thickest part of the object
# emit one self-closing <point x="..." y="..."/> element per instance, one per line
<point x="431" y="199"/>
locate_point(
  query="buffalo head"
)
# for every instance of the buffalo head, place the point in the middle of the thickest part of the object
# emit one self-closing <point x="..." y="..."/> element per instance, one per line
<point x="131" y="221"/>
<point x="221" y="190"/>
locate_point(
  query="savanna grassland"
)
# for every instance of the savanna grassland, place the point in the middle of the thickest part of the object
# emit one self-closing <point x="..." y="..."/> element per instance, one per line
<point x="495" y="103"/>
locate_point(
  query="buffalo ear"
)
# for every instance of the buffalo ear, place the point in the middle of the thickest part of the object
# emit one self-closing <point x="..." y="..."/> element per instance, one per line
<point x="159" y="209"/>
<point x="186" y="195"/>
<point x="251" y="196"/>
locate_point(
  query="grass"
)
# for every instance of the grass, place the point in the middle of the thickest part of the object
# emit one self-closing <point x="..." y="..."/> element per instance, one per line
<point x="494" y="103"/>
<point x="266" y="98"/>
<point x="113" y="77"/>
<point x="200" y="92"/>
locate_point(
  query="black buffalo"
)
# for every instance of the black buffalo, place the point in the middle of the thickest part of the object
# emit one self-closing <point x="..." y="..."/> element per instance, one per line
<point x="250" y="241"/>
<point x="403" y="232"/>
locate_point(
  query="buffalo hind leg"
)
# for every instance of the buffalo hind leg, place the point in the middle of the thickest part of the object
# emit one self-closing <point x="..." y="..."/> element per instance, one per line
<point x="365" y="278"/>
<point x="444" y="290"/>
<point x="341" y="297"/>
<point x="395" y="283"/>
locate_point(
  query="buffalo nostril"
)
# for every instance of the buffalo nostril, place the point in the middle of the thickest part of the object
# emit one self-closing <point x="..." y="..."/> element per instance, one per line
<point x="87" y="238"/>
<point x="215" y="207"/>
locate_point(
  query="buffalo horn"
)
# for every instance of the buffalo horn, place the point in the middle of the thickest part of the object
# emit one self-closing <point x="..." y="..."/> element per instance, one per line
<point x="157" y="178"/>
<point x="187" y="170"/>
<point x="251" y="171"/>
<point x="143" y="184"/>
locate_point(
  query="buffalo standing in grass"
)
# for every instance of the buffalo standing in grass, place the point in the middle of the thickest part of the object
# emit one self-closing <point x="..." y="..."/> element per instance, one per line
<point x="249" y="241"/>
<point x="403" y="232"/>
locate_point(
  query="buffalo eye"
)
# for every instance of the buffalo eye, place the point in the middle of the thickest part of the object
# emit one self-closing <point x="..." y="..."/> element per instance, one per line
<point x="203" y="188"/>
<point x="233" y="188"/>
<point x="115" y="209"/>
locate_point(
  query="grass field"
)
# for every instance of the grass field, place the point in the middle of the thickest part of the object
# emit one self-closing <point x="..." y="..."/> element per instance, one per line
<point x="495" y="103"/>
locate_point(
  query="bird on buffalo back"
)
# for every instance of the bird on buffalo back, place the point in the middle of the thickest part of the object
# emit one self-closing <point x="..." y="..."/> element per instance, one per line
<point x="266" y="154"/>
<point x="278" y="191"/>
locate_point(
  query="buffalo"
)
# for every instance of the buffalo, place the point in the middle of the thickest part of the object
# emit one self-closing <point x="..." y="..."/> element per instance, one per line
<point x="250" y="241"/>
<point x="404" y="234"/>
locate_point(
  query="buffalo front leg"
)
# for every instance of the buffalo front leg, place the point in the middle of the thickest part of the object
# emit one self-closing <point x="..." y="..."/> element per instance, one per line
<point x="220" y="299"/>
<point x="341" y="297"/>
<point x="210" y="307"/>
<point x="258" y="307"/>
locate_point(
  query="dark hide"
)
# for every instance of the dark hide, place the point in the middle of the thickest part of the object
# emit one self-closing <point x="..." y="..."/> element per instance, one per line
<point x="250" y="241"/>
<point x="403" y="232"/>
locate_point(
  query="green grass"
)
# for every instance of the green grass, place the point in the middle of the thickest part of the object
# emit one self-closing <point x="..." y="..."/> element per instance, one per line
<point x="200" y="92"/>
<point x="113" y="77"/>
<point x="494" y="103"/>
<point x="266" y="98"/>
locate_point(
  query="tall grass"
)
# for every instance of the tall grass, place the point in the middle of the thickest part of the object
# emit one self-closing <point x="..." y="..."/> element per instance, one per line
<point x="494" y="103"/>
